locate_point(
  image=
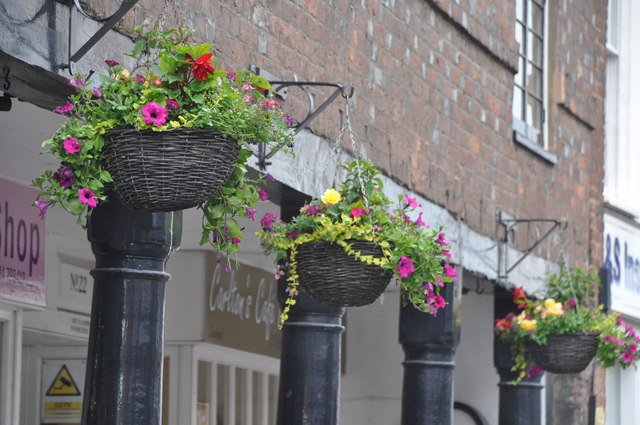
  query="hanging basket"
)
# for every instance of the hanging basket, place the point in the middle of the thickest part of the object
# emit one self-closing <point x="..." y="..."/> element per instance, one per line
<point x="565" y="353"/>
<point x="159" y="171"/>
<point x="335" y="278"/>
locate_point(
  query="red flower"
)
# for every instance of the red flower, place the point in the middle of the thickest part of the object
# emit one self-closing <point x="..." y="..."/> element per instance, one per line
<point x="502" y="324"/>
<point x="202" y="67"/>
<point x="519" y="297"/>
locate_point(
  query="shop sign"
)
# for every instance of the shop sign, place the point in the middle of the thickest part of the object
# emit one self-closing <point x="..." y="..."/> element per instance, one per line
<point x="622" y="257"/>
<point x="22" y="245"/>
<point x="62" y="391"/>
<point x="242" y="309"/>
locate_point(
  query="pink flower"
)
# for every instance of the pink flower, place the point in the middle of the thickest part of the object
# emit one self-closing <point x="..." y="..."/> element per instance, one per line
<point x="248" y="98"/>
<point x="250" y="212"/>
<point x="268" y="177"/>
<point x="627" y="357"/>
<point x="534" y="371"/>
<point x="357" y="212"/>
<point x="231" y="75"/>
<point x="111" y="63"/>
<point x="42" y="205"/>
<point x="155" y="114"/>
<point x="72" y="145"/>
<point x="411" y="201"/>
<point x="450" y="272"/>
<point x="441" y="241"/>
<point x="87" y="197"/>
<point x="172" y="104"/>
<point x="438" y="301"/>
<point x="607" y="338"/>
<point x="633" y="348"/>
<point x="97" y="92"/>
<point x="236" y="240"/>
<point x="617" y="341"/>
<point x="262" y="194"/>
<point x="228" y="268"/>
<point x="140" y="79"/>
<point x="293" y="234"/>
<point x="446" y="253"/>
<point x="77" y="83"/>
<point x="248" y="87"/>
<point x="419" y="221"/>
<point x="571" y="302"/>
<point x="65" y="109"/>
<point x="405" y="266"/>
<point x="267" y="220"/>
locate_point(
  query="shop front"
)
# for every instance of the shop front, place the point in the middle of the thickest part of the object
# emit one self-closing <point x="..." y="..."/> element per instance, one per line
<point x="622" y="258"/>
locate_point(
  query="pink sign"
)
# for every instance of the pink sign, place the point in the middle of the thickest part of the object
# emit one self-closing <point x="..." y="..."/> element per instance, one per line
<point x="22" y="245"/>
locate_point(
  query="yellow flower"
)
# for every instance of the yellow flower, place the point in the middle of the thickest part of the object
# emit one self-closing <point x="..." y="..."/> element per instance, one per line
<point x="331" y="196"/>
<point x="525" y="323"/>
<point x="122" y="74"/>
<point x="553" y="308"/>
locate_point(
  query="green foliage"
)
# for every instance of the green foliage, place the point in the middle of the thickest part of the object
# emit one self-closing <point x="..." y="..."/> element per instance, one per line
<point x="191" y="88"/>
<point x="567" y="307"/>
<point x="361" y="210"/>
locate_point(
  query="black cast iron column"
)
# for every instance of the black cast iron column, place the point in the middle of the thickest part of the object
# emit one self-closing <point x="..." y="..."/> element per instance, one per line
<point x="124" y="364"/>
<point x="429" y="344"/>
<point x="519" y="404"/>
<point x="309" y="392"/>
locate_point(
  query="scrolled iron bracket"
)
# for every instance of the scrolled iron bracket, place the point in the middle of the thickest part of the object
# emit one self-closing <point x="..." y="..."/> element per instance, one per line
<point x="279" y="87"/>
<point x="510" y="225"/>
<point x="109" y="23"/>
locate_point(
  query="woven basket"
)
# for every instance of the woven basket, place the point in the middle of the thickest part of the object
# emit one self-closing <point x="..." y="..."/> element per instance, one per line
<point x="334" y="278"/>
<point x="157" y="171"/>
<point x="565" y="353"/>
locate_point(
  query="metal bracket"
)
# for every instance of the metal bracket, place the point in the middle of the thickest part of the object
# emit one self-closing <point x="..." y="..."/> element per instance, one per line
<point x="109" y="23"/>
<point x="510" y="225"/>
<point x="281" y="86"/>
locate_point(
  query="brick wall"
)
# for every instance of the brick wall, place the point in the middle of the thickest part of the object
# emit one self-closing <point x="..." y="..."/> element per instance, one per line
<point x="434" y="83"/>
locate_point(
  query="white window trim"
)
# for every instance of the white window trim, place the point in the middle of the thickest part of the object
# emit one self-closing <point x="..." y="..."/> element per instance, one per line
<point x="622" y="148"/>
<point x="183" y="376"/>
<point x="523" y="134"/>
<point x="10" y="366"/>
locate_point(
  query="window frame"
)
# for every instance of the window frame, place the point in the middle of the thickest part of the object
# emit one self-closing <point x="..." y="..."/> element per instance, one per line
<point x="524" y="133"/>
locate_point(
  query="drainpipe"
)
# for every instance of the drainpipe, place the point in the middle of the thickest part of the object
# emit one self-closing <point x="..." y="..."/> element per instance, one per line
<point x="429" y="344"/>
<point x="519" y="404"/>
<point x="309" y="389"/>
<point x="124" y="364"/>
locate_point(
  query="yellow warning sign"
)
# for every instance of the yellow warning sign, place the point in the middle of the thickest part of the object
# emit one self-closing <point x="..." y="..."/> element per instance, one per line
<point x="66" y="410"/>
<point x="63" y="384"/>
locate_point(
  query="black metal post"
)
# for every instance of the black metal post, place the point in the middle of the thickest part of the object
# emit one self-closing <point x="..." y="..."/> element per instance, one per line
<point x="429" y="344"/>
<point x="309" y="390"/>
<point x="519" y="404"/>
<point x="123" y="384"/>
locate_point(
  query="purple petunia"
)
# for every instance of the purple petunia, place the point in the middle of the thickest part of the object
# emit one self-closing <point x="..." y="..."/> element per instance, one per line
<point x="64" y="176"/>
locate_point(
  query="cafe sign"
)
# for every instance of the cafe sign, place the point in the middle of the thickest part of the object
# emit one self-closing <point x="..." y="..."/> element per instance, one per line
<point x="242" y="309"/>
<point x="22" y="245"/>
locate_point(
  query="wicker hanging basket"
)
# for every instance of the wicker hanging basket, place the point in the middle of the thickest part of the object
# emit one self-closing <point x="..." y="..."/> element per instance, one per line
<point x="334" y="278"/>
<point x="159" y="171"/>
<point x="565" y="353"/>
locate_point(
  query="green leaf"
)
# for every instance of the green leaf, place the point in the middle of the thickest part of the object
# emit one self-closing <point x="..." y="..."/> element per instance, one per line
<point x="138" y="47"/>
